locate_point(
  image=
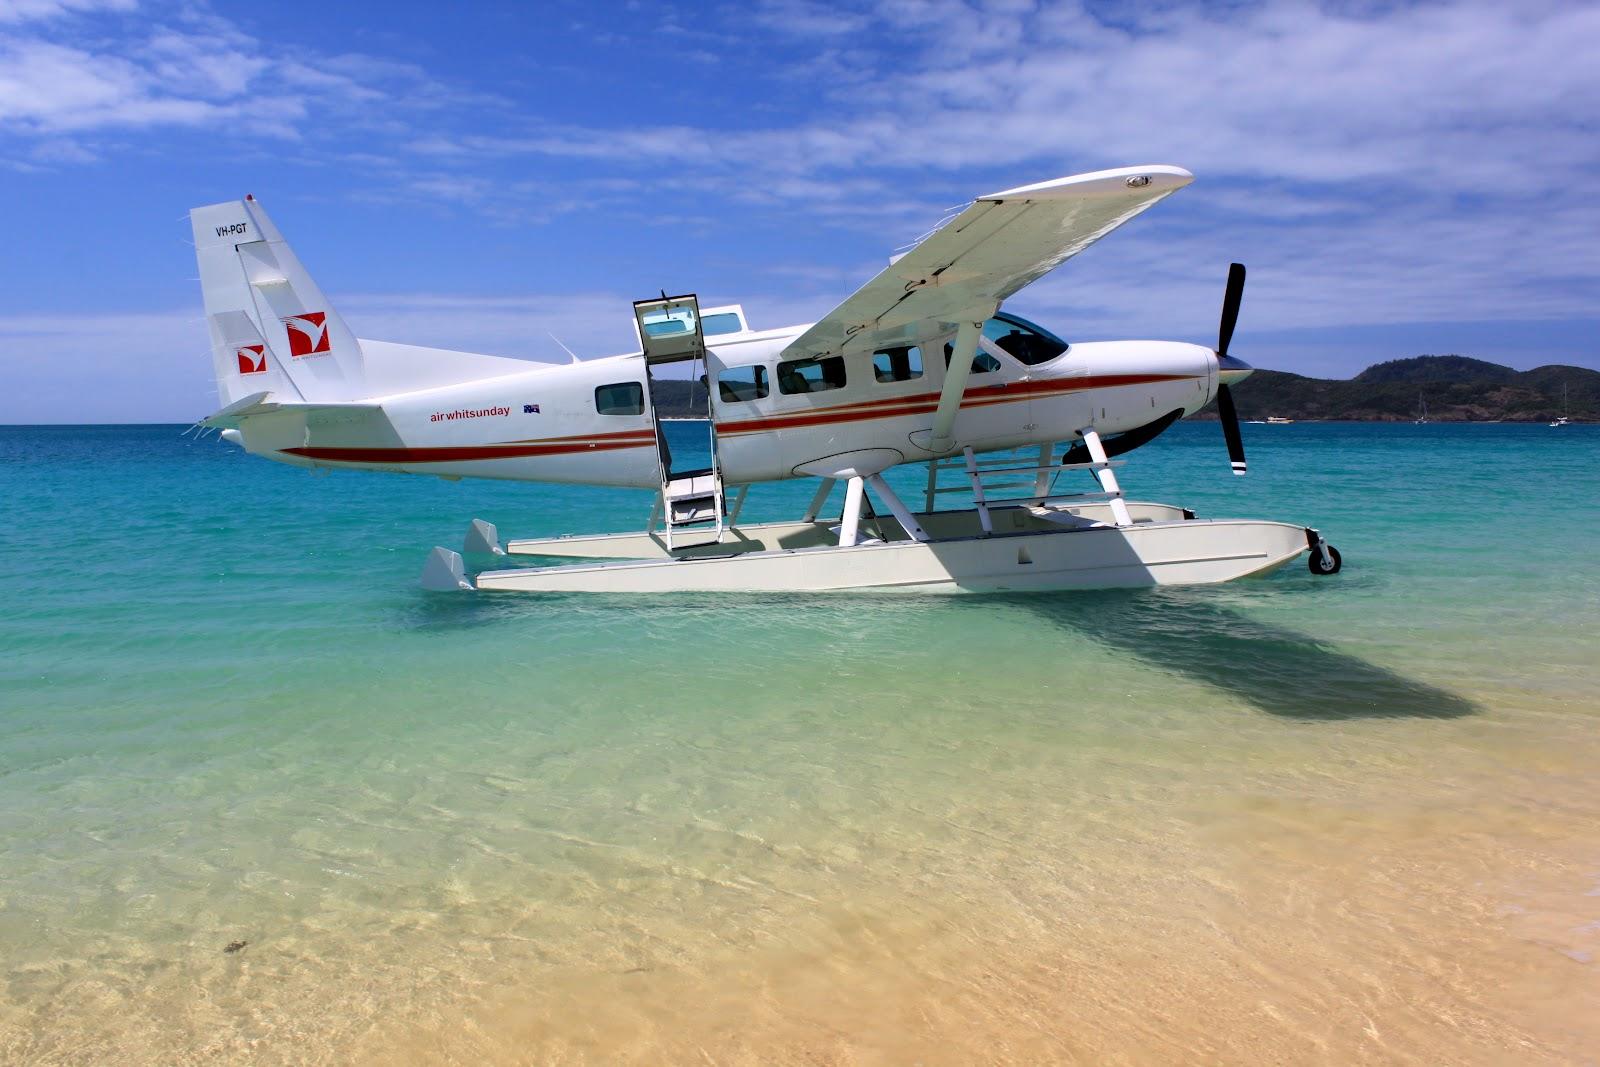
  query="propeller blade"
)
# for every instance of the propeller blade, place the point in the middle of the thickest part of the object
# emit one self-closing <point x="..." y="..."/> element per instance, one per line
<point x="1230" y="427"/>
<point x="1230" y="307"/>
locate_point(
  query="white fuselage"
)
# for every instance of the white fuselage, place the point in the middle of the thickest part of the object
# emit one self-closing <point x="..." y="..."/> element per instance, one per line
<point x="547" y="424"/>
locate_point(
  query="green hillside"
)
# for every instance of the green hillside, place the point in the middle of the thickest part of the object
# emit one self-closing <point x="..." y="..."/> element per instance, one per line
<point x="677" y="399"/>
<point x="1457" y="389"/>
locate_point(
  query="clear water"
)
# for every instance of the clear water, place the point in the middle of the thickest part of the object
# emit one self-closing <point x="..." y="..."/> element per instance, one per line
<point x="1294" y="818"/>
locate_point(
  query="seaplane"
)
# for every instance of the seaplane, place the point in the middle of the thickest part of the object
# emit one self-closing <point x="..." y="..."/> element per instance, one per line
<point x="920" y="366"/>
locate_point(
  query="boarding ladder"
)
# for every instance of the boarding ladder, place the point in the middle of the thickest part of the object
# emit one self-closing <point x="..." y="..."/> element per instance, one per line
<point x="1016" y="472"/>
<point x="670" y="332"/>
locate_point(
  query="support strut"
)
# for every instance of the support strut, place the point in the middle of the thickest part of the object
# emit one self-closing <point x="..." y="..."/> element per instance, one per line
<point x="1107" y="477"/>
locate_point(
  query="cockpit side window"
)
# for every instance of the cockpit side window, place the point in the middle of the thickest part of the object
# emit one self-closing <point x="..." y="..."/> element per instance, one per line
<point x="1027" y="343"/>
<point x="982" y="362"/>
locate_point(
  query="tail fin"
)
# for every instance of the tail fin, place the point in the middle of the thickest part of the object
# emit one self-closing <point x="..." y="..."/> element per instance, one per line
<point x="271" y="327"/>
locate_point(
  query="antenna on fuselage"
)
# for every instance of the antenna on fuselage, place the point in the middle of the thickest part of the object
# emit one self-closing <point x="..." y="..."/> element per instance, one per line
<point x="564" y="348"/>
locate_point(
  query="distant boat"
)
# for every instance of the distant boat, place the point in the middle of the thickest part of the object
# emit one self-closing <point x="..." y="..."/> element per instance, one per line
<point x="1563" y="420"/>
<point x="1274" y="420"/>
<point x="1422" y="410"/>
<point x="1256" y="422"/>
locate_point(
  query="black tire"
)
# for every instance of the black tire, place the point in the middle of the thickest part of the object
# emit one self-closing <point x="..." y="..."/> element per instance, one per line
<point x="1333" y="564"/>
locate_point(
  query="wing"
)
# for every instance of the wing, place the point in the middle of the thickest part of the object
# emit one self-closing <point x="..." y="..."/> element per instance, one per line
<point x="999" y="244"/>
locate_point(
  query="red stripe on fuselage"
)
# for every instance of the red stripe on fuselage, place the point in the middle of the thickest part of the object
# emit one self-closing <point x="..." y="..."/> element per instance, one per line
<point x="858" y="411"/>
<point x="921" y="403"/>
<point x="545" y="446"/>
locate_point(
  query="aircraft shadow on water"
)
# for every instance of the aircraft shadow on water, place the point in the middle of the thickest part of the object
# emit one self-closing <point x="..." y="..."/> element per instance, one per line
<point x="1279" y="670"/>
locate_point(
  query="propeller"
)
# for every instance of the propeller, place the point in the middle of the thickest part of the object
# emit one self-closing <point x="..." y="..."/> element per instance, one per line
<point x="1226" y="363"/>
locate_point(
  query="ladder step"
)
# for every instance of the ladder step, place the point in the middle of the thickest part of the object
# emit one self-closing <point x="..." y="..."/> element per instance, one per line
<point x="693" y="498"/>
<point x="698" y="507"/>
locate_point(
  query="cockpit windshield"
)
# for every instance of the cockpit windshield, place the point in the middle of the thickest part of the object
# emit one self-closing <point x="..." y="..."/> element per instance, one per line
<point x="1026" y="342"/>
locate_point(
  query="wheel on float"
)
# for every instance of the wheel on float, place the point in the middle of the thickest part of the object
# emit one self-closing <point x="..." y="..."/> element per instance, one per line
<point x="1329" y="563"/>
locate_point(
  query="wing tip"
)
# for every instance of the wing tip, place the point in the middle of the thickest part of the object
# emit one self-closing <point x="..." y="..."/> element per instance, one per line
<point x="1150" y="178"/>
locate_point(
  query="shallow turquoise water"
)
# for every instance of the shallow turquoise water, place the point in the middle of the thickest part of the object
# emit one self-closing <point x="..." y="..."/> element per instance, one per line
<point x="227" y="712"/>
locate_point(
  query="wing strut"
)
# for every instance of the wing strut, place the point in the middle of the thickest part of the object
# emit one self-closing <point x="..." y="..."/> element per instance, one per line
<point x="955" y="382"/>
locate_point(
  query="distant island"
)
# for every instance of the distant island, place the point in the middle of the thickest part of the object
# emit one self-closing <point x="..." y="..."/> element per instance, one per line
<point x="1456" y="389"/>
<point x="676" y="399"/>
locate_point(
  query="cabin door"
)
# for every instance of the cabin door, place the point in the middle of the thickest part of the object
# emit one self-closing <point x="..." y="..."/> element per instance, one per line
<point x="675" y="369"/>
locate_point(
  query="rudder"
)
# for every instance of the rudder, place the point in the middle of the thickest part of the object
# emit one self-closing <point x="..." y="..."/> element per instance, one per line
<point x="258" y="295"/>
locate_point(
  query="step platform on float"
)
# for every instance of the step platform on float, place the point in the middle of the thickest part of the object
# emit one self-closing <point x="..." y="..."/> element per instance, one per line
<point x="774" y="536"/>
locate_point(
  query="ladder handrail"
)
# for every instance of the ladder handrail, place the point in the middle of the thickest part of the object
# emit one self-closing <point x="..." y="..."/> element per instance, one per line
<point x="1090" y="466"/>
<point x="980" y="475"/>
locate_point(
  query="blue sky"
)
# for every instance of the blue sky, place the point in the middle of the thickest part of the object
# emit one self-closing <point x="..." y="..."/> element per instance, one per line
<point x="1399" y="178"/>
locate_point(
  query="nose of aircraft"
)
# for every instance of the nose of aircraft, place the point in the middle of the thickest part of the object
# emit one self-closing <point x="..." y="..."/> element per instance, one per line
<point x="1232" y="370"/>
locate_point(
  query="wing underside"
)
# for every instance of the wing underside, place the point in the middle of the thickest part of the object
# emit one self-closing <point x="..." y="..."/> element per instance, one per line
<point x="998" y="245"/>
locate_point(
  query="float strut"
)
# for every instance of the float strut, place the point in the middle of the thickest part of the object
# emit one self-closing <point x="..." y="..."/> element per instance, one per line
<point x="1107" y="476"/>
<point x="818" y="500"/>
<point x="901" y="513"/>
<point x="850" y="524"/>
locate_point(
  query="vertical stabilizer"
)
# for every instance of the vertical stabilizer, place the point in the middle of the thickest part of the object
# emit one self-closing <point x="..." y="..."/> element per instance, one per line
<point x="243" y="362"/>
<point x="257" y="294"/>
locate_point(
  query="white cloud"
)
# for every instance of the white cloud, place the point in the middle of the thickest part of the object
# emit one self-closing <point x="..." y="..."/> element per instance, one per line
<point x="1378" y="165"/>
<point x="807" y="19"/>
<point x="1375" y="164"/>
<point x="184" y="67"/>
<point x="15" y="11"/>
<point x="1418" y="96"/>
<point x="62" y="151"/>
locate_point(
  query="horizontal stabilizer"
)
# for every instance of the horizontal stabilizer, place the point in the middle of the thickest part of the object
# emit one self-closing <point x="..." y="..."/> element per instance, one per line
<point x="267" y="403"/>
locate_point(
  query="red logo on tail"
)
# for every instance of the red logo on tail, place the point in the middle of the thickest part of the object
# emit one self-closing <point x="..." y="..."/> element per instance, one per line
<point x="308" y="333"/>
<point x="252" y="358"/>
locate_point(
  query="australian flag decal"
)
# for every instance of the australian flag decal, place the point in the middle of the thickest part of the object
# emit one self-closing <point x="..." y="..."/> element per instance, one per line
<point x="530" y="409"/>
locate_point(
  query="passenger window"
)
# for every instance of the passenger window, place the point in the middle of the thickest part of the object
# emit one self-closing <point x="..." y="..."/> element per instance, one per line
<point x="1022" y="340"/>
<point x="982" y="362"/>
<point x="624" y="398"/>
<point x="897" y="364"/>
<point x="742" y="383"/>
<point x="811" y="375"/>
<point x="720" y="323"/>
